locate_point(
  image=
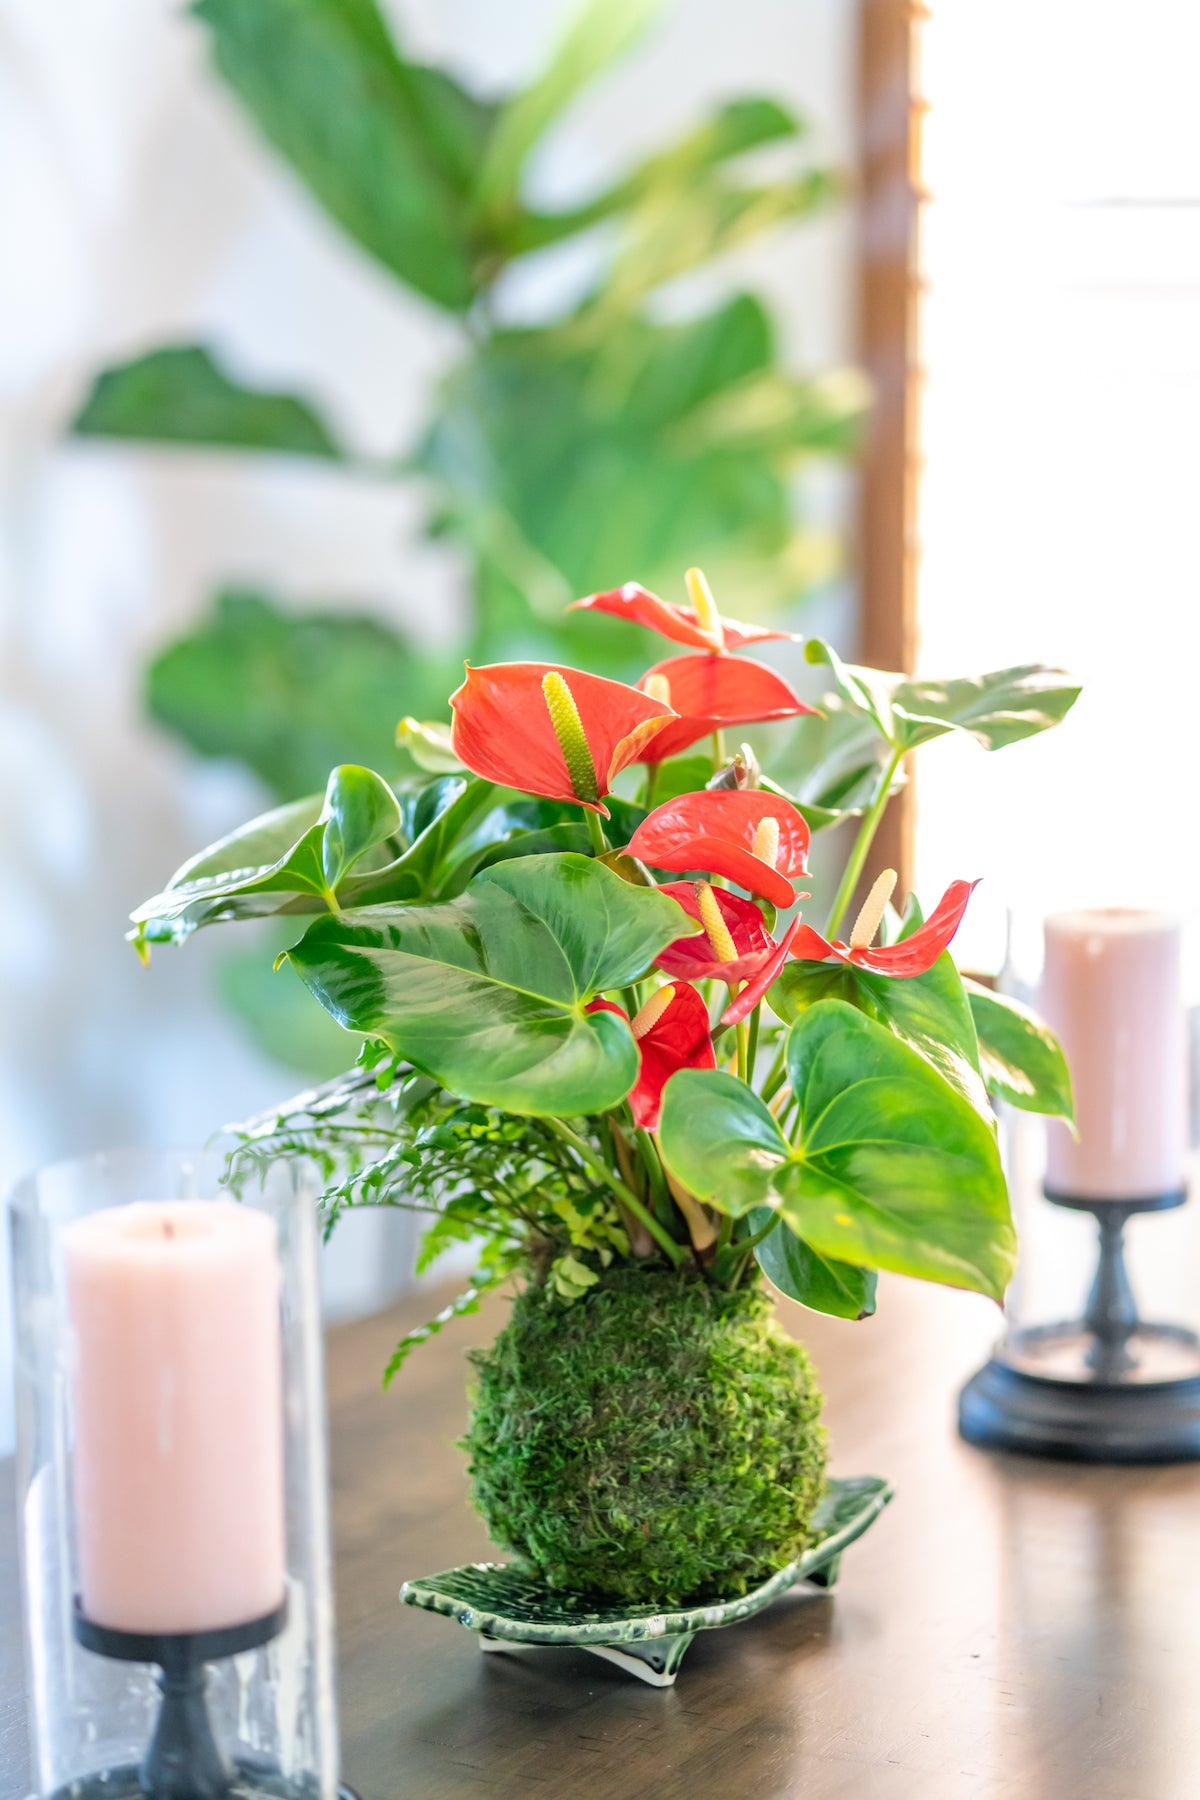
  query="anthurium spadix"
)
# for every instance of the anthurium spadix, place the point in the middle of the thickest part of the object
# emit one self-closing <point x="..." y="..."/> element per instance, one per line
<point x="755" y="838"/>
<point x="552" y="731"/>
<point x="672" y="1033"/>
<point x="700" y="625"/>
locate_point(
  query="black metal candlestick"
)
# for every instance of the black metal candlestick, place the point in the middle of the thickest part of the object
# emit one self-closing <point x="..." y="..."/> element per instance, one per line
<point x="1107" y="1387"/>
<point x="183" y="1761"/>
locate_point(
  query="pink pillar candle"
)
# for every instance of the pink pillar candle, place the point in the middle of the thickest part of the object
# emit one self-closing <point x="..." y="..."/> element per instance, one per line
<point x="178" y="1414"/>
<point x="1112" y="989"/>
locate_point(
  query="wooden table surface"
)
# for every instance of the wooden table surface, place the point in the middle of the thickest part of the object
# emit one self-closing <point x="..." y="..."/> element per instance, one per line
<point x="1010" y="1630"/>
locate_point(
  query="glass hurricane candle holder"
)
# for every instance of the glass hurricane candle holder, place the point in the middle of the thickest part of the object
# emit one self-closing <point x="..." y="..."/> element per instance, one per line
<point x="171" y="1481"/>
<point x="1100" y="1360"/>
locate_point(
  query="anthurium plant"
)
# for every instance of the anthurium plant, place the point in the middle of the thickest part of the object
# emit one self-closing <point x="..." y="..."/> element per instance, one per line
<point x="607" y="1021"/>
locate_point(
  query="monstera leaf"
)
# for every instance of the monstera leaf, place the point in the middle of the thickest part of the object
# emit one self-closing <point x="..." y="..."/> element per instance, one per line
<point x="889" y="1168"/>
<point x="1021" y="1059"/>
<point x="488" y="993"/>
<point x="996" y="709"/>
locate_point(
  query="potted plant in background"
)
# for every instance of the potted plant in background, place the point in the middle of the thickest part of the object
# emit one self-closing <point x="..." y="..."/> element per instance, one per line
<point x="685" y="436"/>
<point x="604" y="1043"/>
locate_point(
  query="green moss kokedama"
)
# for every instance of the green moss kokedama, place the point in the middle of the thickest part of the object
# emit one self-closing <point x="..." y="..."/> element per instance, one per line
<point x="657" y="1439"/>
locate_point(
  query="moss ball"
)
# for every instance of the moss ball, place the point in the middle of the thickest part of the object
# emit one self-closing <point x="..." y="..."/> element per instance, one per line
<point x="657" y="1440"/>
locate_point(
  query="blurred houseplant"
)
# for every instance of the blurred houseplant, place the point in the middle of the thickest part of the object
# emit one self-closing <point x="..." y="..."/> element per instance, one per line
<point x="602" y="1043"/>
<point x="558" y="456"/>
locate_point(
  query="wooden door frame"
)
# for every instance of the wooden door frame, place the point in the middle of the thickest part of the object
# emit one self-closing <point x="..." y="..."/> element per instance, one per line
<point x="889" y="288"/>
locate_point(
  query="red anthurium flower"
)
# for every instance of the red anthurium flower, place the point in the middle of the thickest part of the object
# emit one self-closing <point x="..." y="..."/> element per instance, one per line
<point x="710" y="692"/>
<point x="672" y="1033"/>
<point x="733" y="944"/>
<point x="912" y="956"/>
<point x="754" y="838"/>
<point x="743" y="1004"/>
<point x="552" y="731"/>
<point x="682" y="624"/>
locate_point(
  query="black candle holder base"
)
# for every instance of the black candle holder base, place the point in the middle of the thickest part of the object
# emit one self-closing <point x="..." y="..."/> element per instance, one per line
<point x="1105" y="1388"/>
<point x="183" y="1761"/>
<point x="248" y="1784"/>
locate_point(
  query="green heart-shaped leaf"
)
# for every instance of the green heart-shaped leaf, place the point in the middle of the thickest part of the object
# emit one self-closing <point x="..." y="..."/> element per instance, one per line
<point x="1021" y="1059"/>
<point x="890" y="1168"/>
<point x="488" y="992"/>
<point x="931" y="1011"/>
<point x="815" y="1281"/>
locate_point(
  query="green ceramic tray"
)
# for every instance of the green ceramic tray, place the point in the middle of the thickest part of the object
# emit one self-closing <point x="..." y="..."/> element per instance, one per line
<point x="509" y="1608"/>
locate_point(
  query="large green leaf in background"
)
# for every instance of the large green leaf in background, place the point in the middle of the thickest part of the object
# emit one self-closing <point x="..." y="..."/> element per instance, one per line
<point x="570" y="464"/>
<point x="290" y="695"/>
<point x="488" y="992"/>
<point x="996" y="709"/>
<point x="1021" y="1059"/>
<point x="181" y="395"/>
<point x="390" y="149"/>
<point x="890" y="1168"/>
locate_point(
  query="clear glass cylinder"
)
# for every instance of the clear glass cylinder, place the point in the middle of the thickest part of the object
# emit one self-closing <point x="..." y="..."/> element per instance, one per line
<point x="143" y="1701"/>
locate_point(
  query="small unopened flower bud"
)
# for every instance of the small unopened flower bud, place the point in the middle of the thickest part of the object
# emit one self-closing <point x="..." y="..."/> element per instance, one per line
<point x="867" y="922"/>
<point x="647" y="1017"/>
<point x="568" y="729"/>
<point x="715" y="928"/>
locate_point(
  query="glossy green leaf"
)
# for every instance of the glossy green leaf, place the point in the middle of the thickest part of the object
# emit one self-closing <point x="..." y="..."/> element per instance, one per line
<point x="182" y="395"/>
<point x="996" y="709"/>
<point x="890" y="1168"/>
<point x="931" y="1011"/>
<point x="289" y="860"/>
<point x="488" y="992"/>
<point x="1021" y="1059"/>
<point x="815" y="1281"/>
<point x="360" y="812"/>
<point x="387" y="147"/>
<point x="293" y="694"/>
<point x="600" y="32"/>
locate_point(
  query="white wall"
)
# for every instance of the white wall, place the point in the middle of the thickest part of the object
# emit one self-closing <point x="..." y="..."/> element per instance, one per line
<point x="139" y="207"/>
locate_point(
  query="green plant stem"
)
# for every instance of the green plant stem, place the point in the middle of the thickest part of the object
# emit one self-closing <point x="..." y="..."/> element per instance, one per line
<point x="743" y="1051"/>
<point x="654" y="1170"/>
<point x="725" y="1231"/>
<point x="862" y="844"/>
<point x="752" y="1057"/>
<point x="718" y="750"/>
<point x="755" y="1239"/>
<point x="675" y="1253"/>
<point x="596" y="832"/>
<point x="652" y="770"/>
<point x="777" y="1074"/>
